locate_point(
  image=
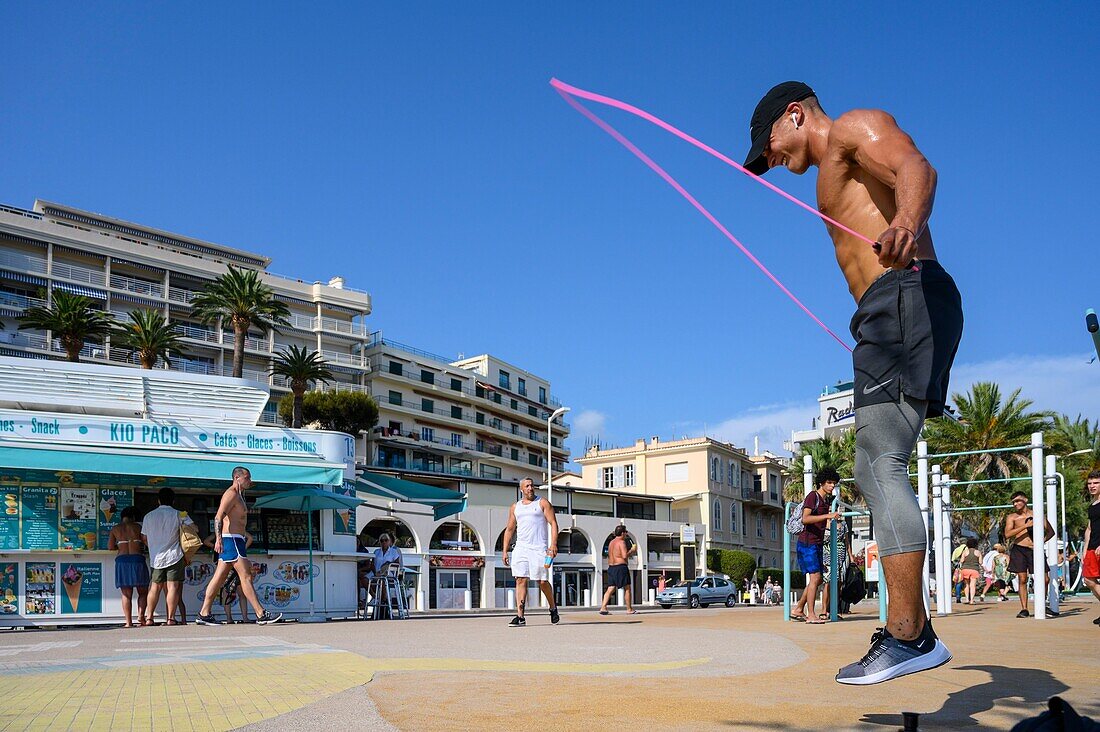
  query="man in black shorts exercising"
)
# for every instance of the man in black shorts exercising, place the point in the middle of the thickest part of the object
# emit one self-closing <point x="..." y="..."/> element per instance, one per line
<point x="1018" y="525"/>
<point x="907" y="326"/>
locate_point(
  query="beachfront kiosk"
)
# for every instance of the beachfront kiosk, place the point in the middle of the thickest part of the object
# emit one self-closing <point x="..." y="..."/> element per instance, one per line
<point x="81" y="442"/>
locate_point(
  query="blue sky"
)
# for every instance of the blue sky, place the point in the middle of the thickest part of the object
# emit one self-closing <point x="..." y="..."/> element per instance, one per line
<point x="420" y="153"/>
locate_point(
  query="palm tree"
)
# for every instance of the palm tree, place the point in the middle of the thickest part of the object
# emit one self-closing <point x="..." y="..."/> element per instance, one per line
<point x="986" y="422"/>
<point x="239" y="297"/>
<point x="299" y="367"/>
<point x="72" y="319"/>
<point x="838" y="453"/>
<point x="1067" y="437"/>
<point x="150" y="335"/>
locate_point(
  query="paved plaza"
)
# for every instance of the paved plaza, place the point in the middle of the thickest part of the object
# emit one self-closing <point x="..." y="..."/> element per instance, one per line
<point x="740" y="668"/>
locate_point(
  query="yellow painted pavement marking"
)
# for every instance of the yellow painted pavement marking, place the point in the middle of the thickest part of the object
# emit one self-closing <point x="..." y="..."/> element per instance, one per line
<point x="223" y="695"/>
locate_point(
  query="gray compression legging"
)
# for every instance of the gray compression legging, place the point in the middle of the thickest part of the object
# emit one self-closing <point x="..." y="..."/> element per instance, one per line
<point x="885" y="437"/>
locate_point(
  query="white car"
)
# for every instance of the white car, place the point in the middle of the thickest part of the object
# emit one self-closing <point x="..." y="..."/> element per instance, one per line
<point x="699" y="592"/>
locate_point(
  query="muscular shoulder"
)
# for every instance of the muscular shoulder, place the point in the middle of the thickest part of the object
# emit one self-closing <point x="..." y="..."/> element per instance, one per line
<point x="852" y="129"/>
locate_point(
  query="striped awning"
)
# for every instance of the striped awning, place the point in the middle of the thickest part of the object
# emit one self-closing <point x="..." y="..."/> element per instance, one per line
<point x="128" y="263"/>
<point x="294" y="300"/>
<point x="148" y="302"/>
<point x="21" y="277"/>
<point x="24" y="240"/>
<point x="79" y="290"/>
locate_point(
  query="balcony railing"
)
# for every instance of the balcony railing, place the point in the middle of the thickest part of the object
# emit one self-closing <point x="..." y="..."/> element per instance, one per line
<point x="301" y="322"/>
<point x="19" y="302"/>
<point x="24" y="339"/>
<point x="346" y="327"/>
<point x="196" y="333"/>
<point x="345" y="359"/>
<point x="23" y="262"/>
<point x="250" y="344"/>
<point x="139" y="287"/>
<point x="177" y="294"/>
<point x="76" y="273"/>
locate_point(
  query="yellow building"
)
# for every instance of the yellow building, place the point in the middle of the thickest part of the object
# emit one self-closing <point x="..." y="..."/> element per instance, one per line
<point x="737" y="497"/>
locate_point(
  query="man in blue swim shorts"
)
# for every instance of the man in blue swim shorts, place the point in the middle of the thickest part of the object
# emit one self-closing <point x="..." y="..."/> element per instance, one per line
<point x="815" y="512"/>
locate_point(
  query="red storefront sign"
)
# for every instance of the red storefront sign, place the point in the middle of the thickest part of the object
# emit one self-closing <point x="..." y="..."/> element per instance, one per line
<point x="453" y="562"/>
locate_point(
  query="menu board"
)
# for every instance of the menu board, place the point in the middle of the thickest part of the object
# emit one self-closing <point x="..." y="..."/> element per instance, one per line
<point x="343" y="519"/>
<point x="9" y="588"/>
<point x="79" y="509"/>
<point x="111" y="503"/>
<point x="40" y="515"/>
<point x="9" y="518"/>
<point x="289" y="530"/>
<point x="41" y="581"/>
<point x="82" y="583"/>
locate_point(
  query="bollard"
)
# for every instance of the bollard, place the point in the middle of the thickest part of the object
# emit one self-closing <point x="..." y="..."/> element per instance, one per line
<point x="588" y="598"/>
<point x="420" y="604"/>
<point x="619" y="597"/>
<point x="652" y="596"/>
<point x="467" y="600"/>
<point x="511" y="598"/>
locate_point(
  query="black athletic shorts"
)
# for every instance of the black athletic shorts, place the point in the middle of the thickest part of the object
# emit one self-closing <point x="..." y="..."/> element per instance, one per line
<point x="1020" y="559"/>
<point x="618" y="576"/>
<point x="907" y="328"/>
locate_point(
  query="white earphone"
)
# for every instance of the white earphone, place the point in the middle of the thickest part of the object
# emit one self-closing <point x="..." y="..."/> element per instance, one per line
<point x="794" y="120"/>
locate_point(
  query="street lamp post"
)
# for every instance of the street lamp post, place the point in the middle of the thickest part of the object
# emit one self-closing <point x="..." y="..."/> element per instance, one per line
<point x="550" y="473"/>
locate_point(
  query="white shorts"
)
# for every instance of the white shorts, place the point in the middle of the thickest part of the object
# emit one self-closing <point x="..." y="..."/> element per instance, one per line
<point x="529" y="563"/>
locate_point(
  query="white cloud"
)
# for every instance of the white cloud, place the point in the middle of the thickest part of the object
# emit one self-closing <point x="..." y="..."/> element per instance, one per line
<point x="772" y="423"/>
<point x="1065" y="384"/>
<point x="589" y="423"/>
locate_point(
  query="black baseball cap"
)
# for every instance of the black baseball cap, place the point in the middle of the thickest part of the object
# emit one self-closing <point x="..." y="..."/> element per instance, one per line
<point x="771" y="108"/>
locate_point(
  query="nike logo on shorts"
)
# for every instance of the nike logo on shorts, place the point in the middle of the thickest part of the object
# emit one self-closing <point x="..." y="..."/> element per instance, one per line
<point x="873" y="389"/>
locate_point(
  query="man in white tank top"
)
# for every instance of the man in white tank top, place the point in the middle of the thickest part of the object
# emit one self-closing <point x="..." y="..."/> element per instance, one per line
<point x="535" y="548"/>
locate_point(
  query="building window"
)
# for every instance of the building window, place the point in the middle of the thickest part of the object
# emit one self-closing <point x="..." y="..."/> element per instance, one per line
<point x="676" y="473"/>
<point x="759" y="526"/>
<point x="732" y="477"/>
<point x="522" y="385"/>
<point x="496" y="424"/>
<point x="608" y="478"/>
<point x="489" y="471"/>
<point x="628" y="475"/>
<point x="744" y="522"/>
<point x="646" y="510"/>
<point x="427" y="376"/>
<point x="456" y="412"/>
<point x="714" y="469"/>
<point x="533" y="411"/>
<point x="395" y="427"/>
<point x="733" y="517"/>
<point x="456" y="384"/>
<point x="515" y="428"/>
<point x="479" y="445"/>
<point x="515" y="405"/>
<point x="427" y="462"/>
<point x="533" y="459"/>
<point x="532" y="435"/>
<point x="427" y="433"/>
<point x="496" y="397"/>
<point x="427" y="405"/>
<point x="388" y="457"/>
<point x="505" y="380"/>
<point x="515" y="454"/>
<point x="773" y="487"/>
<point x="395" y="368"/>
<point x="717" y="515"/>
<point x="456" y="439"/>
<point x="542" y="395"/>
<point x="774" y="529"/>
<point x="395" y="398"/>
<point x="757" y="486"/>
<point x="460" y="466"/>
<point x="479" y="418"/>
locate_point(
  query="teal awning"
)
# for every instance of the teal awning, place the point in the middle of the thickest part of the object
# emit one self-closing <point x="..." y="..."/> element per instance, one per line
<point x="444" y="502"/>
<point x="98" y="464"/>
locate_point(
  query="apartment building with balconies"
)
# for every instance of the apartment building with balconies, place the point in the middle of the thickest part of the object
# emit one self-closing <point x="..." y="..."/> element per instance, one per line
<point x="477" y="421"/>
<point x="122" y="265"/>
<point x="713" y="483"/>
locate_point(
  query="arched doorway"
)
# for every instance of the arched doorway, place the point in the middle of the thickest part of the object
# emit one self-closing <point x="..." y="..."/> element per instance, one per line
<point x="574" y="572"/>
<point x="456" y="562"/>
<point x="403" y="535"/>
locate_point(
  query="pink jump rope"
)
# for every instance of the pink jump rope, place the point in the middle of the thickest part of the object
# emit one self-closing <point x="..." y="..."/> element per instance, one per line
<point x="570" y="95"/>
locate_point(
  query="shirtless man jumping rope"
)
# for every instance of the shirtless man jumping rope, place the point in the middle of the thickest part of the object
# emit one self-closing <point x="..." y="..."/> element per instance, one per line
<point x="229" y="545"/>
<point x="907" y="326"/>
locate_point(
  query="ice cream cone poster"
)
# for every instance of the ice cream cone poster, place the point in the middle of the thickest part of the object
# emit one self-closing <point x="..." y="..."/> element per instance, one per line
<point x="9" y="588"/>
<point x="343" y="519"/>
<point x="78" y="518"/>
<point x="111" y="503"/>
<point x="81" y="587"/>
